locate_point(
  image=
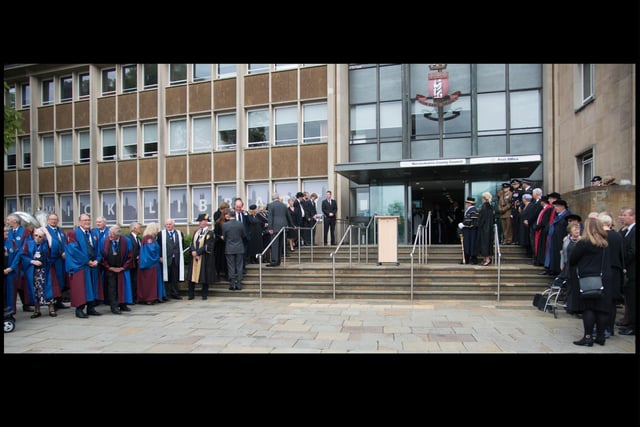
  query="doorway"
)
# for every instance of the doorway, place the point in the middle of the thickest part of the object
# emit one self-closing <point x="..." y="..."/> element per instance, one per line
<point x="438" y="197"/>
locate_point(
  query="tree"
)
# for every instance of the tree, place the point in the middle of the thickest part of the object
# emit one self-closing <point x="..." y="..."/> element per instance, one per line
<point x="12" y="123"/>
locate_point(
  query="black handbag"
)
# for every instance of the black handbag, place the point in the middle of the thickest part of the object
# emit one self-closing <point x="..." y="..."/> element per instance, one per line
<point x="591" y="286"/>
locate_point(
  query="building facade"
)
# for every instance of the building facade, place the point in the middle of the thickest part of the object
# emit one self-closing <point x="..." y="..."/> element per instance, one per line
<point x="144" y="142"/>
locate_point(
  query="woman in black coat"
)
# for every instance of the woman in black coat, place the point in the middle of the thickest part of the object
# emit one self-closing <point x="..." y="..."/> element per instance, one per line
<point x="484" y="239"/>
<point x="616" y="255"/>
<point x="591" y="258"/>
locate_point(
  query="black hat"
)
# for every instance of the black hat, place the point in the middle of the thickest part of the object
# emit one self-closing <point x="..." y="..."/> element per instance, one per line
<point x="574" y="217"/>
<point x="596" y="178"/>
<point x="554" y="195"/>
<point x="516" y="180"/>
<point x="544" y="199"/>
<point x="526" y="181"/>
<point x="470" y="200"/>
<point x="299" y="194"/>
<point x="506" y="185"/>
<point x="203" y="217"/>
<point x="252" y="207"/>
<point x="560" y="202"/>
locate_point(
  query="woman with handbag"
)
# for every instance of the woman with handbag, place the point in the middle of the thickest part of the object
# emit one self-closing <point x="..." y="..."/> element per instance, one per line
<point x="590" y="258"/>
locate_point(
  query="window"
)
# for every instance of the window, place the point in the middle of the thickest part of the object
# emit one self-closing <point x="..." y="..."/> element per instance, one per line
<point x="390" y="121"/>
<point x="25" y="144"/>
<point x="150" y="139"/>
<point x="25" y="95"/>
<point x="492" y="113"/>
<point x="48" y="204"/>
<point x="585" y="168"/>
<point x="314" y="126"/>
<point x="201" y="134"/>
<point x="258" y="127"/>
<point x="109" y="81"/>
<point x="129" y="206"/>
<point x="26" y="204"/>
<point x="150" y="75"/>
<point x="11" y="96"/>
<point x="226" y="131"/>
<point x="587" y="82"/>
<point x="10" y="204"/>
<point x="66" y="210"/>
<point x="47" y="150"/>
<point x="279" y="67"/>
<point x="201" y="72"/>
<point x="66" y="89"/>
<point x="129" y="141"/>
<point x="84" y="203"/>
<point x="10" y="157"/>
<point x="201" y="201"/>
<point x="526" y="111"/>
<point x="84" y="85"/>
<point x="66" y="148"/>
<point x="178" y="204"/>
<point x="258" y="193"/>
<point x="177" y="73"/>
<point x="84" y="147"/>
<point x="177" y="136"/>
<point x="108" y="144"/>
<point x="227" y="70"/>
<point x="47" y="92"/>
<point x="150" y="201"/>
<point x="287" y="189"/>
<point x="129" y="78"/>
<point x="109" y="207"/>
<point x="258" y="68"/>
<point x="286" y="124"/>
<point x="226" y="193"/>
<point x="363" y="123"/>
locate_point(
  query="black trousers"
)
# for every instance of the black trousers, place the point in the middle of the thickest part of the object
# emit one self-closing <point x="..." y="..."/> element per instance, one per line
<point x="112" y="289"/>
<point x="173" y="270"/>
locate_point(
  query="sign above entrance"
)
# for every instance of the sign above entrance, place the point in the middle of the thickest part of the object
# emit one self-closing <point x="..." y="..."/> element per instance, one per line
<point x="505" y="159"/>
<point x="439" y="162"/>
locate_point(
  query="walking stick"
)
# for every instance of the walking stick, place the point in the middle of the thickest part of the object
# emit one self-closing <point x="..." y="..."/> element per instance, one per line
<point x="462" y="245"/>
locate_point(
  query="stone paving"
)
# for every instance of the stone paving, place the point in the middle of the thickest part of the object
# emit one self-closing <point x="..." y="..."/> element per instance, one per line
<point x="275" y="325"/>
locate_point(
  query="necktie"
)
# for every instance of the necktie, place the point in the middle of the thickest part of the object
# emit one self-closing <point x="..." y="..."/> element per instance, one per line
<point x="88" y="236"/>
<point x="171" y="234"/>
<point x="115" y="247"/>
<point x="239" y="217"/>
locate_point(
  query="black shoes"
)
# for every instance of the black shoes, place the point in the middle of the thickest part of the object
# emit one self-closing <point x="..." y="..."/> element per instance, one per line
<point x="123" y="307"/>
<point x="600" y="340"/>
<point x="586" y="340"/>
<point x="273" y="264"/>
<point x="27" y="308"/>
<point x="93" y="312"/>
<point x="626" y="331"/>
<point x="114" y="311"/>
<point x="176" y="297"/>
<point x="36" y="314"/>
<point x="204" y="297"/>
<point x="190" y="297"/>
<point x="81" y="314"/>
<point x="623" y="323"/>
<point x="59" y="305"/>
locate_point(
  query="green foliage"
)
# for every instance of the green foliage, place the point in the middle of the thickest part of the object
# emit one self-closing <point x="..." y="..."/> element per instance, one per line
<point x="186" y="242"/>
<point x="12" y="123"/>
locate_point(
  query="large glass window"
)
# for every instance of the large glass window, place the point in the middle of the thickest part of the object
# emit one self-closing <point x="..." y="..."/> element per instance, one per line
<point x="587" y="82"/>
<point x="109" y="206"/>
<point x="201" y="72"/>
<point x="227" y="70"/>
<point x="178" y="136"/>
<point x="129" y="206"/>
<point x="286" y="189"/>
<point x="10" y="157"/>
<point x="25" y="145"/>
<point x="25" y="95"/>
<point x="314" y="118"/>
<point x="390" y="121"/>
<point x="47" y="92"/>
<point x="150" y="139"/>
<point x="257" y="68"/>
<point x="150" y="201"/>
<point x="363" y="123"/>
<point x="66" y="89"/>
<point x="526" y="112"/>
<point x="10" y="204"/>
<point x="491" y="113"/>
<point x="129" y="78"/>
<point x="129" y="141"/>
<point x="48" y="204"/>
<point x="226" y="193"/>
<point x="258" y="128"/>
<point x="258" y="193"/>
<point x="84" y="147"/>
<point x="84" y="203"/>
<point x="201" y="134"/>
<point x="286" y="123"/>
<point x="47" y="150"/>
<point x="108" y="143"/>
<point x="585" y="168"/>
<point x="26" y="204"/>
<point x="150" y="75"/>
<point x="201" y="201"/>
<point x="84" y="85"/>
<point x="66" y="210"/>
<point x="177" y="74"/>
<point x="178" y="204"/>
<point x="226" y="131"/>
<point x="108" y="81"/>
<point x="11" y="96"/>
<point x="66" y="148"/>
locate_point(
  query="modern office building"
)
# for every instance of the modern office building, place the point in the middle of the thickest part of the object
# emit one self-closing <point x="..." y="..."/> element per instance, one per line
<point x="144" y="142"/>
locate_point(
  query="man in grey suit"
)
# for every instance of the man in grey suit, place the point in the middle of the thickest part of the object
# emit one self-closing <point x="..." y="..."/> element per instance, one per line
<point x="277" y="216"/>
<point x="234" y="235"/>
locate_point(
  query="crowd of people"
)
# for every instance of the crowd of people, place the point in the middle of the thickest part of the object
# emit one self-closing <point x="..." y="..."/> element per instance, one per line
<point x="98" y="266"/>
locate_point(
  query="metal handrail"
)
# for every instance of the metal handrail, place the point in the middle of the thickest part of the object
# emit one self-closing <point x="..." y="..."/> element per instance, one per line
<point x="333" y="255"/>
<point x="421" y="243"/>
<point x="261" y="254"/>
<point x="497" y="255"/>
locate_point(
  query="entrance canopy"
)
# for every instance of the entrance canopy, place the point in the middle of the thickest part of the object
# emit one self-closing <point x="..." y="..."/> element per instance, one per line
<point x="496" y="168"/>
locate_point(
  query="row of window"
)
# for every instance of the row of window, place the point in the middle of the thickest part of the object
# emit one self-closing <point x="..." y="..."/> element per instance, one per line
<point x="194" y="135"/>
<point x="129" y="75"/>
<point x="184" y="203"/>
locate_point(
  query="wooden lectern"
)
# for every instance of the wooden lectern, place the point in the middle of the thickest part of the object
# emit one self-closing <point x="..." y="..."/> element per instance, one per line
<point x="387" y="239"/>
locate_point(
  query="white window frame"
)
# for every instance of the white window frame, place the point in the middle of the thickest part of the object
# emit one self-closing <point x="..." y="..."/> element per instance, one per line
<point x="586" y="168"/>
<point x="144" y="76"/>
<point x="197" y="206"/>
<point x="252" y="115"/>
<point x="47" y="153"/>
<point x="220" y="145"/>
<point x="11" y="157"/>
<point x="25" y="148"/>
<point x="81" y="78"/>
<point x="148" y="139"/>
<point x="69" y="80"/>
<point x="201" y="141"/>
<point x="66" y="148"/>
<point x="200" y="67"/>
<point x="48" y="90"/>
<point x="84" y="143"/>
<point x="25" y="95"/>
<point x="125" y="200"/>
<point x="129" y="142"/>
<point x="177" y="136"/>
<point x="113" y="144"/>
<point x="322" y="119"/>
<point x="257" y="68"/>
<point x="122" y="83"/>
<point x="222" y="72"/>
<point x="105" y="78"/>
<point x="172" y="70"/>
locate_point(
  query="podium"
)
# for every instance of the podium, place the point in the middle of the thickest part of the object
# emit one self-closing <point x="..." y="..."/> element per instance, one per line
<point x="387" y="239"/>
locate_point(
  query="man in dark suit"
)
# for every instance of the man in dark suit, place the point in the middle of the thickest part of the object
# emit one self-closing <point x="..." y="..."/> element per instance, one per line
<point x="134" y="237"/>
<point x="170" y="241"/>
<point x="241" y="216"/>
<point x="234" y="236"/>
<point x="329" y="210"/>
<point x="309" y="217"/>
<point x="277" y="217"/>
<point x="628" y="322"/>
